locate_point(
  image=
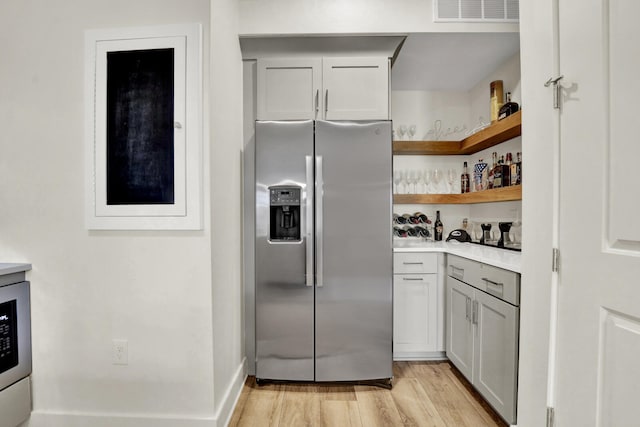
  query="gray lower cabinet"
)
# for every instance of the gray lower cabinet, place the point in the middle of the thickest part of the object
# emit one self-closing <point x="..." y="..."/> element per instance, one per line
<point x="482" y="342"/>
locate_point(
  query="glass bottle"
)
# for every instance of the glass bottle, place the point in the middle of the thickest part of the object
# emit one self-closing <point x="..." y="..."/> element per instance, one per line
<point x="508" y="108"/>
<point x="464" y="180"/>
<point x="438" y="228"/>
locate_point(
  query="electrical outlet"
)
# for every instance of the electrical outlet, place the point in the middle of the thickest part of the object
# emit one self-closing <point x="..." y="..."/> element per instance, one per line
<point x="120" y="352"/>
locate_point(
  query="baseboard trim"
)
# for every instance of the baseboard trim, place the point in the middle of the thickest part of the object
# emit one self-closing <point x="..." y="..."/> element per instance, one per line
<point x="419" y="355"/>
<point x="231" y="396"/>
<point x="220" y="419"/>
<point x="53" y="419"/>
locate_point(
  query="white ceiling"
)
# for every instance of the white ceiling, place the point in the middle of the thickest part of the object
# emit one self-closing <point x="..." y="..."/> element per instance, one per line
<point x="450" y="61"/>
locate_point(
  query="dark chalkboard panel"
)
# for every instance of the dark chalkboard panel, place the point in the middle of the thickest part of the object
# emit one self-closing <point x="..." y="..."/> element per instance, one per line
<point x="140" y="146"/>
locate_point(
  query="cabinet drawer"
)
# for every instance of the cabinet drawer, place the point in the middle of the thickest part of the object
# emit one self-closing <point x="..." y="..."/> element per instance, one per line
<point x="415" y="263"/>
<point x="462" y="269"/>
<point x="501" y="283"/>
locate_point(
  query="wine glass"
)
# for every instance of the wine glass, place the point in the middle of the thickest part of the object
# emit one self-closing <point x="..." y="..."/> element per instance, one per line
<point x="402" y="130"/>
<point x="411" y="131"/>
<point x="397" y="180"/>
<point x="422" y="181"/>
<point x="452" y="174"/>
<point x="437" y="177"/>
<point x="412" y="178"/>
<point x="428" y="179"/>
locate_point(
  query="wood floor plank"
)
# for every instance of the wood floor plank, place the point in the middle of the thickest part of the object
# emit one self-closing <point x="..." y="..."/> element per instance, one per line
<point x="262" y="408"/>
<point x="424" y="394"/>
<point x="377" y="407"/>
<point x="414" y="406"/>
<point x="343" y="413"/>
<point x="452" y="406"/>
<point x="300" y="406"/>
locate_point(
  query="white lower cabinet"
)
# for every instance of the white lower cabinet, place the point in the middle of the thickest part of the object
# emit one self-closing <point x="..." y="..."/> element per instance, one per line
<point x="482" y="342"/>
<point x="417" y="307"/>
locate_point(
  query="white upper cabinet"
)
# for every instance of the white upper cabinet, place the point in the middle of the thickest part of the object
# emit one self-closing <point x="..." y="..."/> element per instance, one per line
<point x="289" y="89"/>
<point x="341" y="88"/>
<point x="356" y="88"/>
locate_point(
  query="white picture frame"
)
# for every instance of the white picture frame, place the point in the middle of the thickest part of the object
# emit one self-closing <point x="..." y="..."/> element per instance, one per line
<point x="184" y="211"/>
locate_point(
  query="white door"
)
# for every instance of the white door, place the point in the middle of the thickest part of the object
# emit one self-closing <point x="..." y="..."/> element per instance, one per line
<point x="289" y="88"/>
<point x="598" y="342"/>
<point x="356" y="88"/>
<point x="415" y="314"/>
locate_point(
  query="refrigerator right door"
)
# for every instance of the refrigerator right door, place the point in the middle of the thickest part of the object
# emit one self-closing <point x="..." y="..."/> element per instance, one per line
<point x="354" y="265"/>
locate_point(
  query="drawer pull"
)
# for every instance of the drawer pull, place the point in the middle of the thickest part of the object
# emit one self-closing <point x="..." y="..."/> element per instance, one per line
<point x="412" y="278"/>
<point x="492" y="282"/>
<point x="459" y="275"/>
<point x="494" y="288"/>
<point x="413" y="263"/>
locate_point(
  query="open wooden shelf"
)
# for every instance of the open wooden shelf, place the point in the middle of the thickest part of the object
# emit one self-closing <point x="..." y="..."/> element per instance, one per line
<point x="496" y="133"/>
<point x="504" y="194"/>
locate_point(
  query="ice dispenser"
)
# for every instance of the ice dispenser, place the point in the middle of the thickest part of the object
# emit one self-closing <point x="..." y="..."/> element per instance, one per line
<point x="284" y="213"/>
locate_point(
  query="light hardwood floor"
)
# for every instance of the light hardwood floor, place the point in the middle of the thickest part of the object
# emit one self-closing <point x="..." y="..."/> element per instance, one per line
<point x="423" y="394"/>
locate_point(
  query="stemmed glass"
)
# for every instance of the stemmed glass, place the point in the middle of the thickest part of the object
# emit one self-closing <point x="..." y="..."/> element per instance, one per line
<point x="411" y="131"/>
<point x="412" y="178"/>
<point x="437" y="177"/>
<point x="451" y="178"/>
<point x="402" y="130"/>
<point x="422" y="180"/>
<point x="397" y="180"/>
<point x="428" y="178"/>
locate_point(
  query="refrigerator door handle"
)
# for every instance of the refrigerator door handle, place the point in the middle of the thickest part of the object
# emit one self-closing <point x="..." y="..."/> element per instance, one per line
<point x="308" y="230"/>
<point x="319" y="195"/>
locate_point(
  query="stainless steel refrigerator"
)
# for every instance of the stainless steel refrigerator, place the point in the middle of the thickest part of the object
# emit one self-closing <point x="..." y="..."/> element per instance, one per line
<point x="323" y="251"/>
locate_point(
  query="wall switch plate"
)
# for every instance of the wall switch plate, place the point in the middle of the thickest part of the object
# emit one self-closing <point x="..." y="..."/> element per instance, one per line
<point x="120" y="352"/>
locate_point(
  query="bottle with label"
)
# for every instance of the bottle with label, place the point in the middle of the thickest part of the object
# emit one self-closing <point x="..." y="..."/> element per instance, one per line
<point x="422" y="231"/>
<point x="508" y="108"/>
<point x="491" y="176"/>
<point x="438" y="228"/>
<point x="516" y="171"/>
<point x="497" y="95"/>
<point x="411" y="231"/>
<point x="506" y="171"/>
<point x="399" y="219"/>
<point x="480" y="176"/>
<point x="399" y="232"/>
<point x="464" y="180"/>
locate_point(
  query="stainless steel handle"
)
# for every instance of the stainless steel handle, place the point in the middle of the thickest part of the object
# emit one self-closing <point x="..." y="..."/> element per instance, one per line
<point x="453" y="271"/>
<point x="319" y="196"/>
<point x="412" y="278"/>
<point x="326" y="102"/>
<point x="317" y="101"/>
<point x="475" y="313"/>
<point x="308" y="231"/>
<point x="412" y="263"/>
<point x="494" y="287"/>
<point x="467" y="303"/>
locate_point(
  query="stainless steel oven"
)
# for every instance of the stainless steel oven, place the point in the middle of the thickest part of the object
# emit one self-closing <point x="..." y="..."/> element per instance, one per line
<point x="15" y="345"/>
<point x="15" y="333"/>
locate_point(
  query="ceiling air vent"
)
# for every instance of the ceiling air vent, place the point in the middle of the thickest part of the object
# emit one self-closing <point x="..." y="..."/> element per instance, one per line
<point x="476" y="10"/>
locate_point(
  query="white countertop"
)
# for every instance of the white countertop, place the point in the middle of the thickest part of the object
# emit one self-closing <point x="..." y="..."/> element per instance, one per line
<point x="10" y="268"/>
<point x="502" y="258"/>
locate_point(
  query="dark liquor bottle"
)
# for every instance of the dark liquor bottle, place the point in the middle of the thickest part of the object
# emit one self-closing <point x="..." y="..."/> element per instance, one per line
<point x="506" y="171"/>
<point x="438" y="228"/>
<point x="508" y="108"/>
<point x="399" y="232"/>
<point x="422" y="218"/>
<point x="411" y="231"/>
<point x="497" y="176"/>
<point x="464" y="180"/>
<point x="422" y="231"/>
<point x="491" y="179"/>
<point x="516" y="171"/>
<point x="399" y="219"/>
<point x="407" y="219"/>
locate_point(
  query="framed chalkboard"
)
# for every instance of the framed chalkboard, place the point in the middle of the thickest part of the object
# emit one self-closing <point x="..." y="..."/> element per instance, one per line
<point x="144" y="131"/>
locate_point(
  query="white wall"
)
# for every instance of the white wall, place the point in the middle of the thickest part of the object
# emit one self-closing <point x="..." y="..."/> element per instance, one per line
<point x="152" y="288"/>
<point x="226" y="206"/>
<point x="353" y="16"/>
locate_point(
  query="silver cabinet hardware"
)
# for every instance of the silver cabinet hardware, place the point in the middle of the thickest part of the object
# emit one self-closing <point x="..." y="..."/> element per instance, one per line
<point x="556" y="90"/>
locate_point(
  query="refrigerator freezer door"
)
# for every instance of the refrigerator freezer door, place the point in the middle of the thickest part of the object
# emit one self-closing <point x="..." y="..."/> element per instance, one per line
<point x="284" y="268"/>
<point x="354" y="323"/>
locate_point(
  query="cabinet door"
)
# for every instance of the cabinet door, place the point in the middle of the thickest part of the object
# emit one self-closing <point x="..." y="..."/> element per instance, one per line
<point x="289" y="89"/>
<point x="496" y="359"/>
<point x="459" y="328"/>
<point x="356" y="88"/>
<point x="415" y="314"/>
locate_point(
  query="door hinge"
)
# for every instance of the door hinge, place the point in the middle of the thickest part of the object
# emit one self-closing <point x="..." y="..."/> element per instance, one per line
<point x="550" y="416"/>
<point x="556" y="90"/>
<point x="555" y="260"/>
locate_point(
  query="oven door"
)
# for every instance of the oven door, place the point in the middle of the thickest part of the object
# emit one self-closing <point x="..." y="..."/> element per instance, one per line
<point x="15" y="333"/>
